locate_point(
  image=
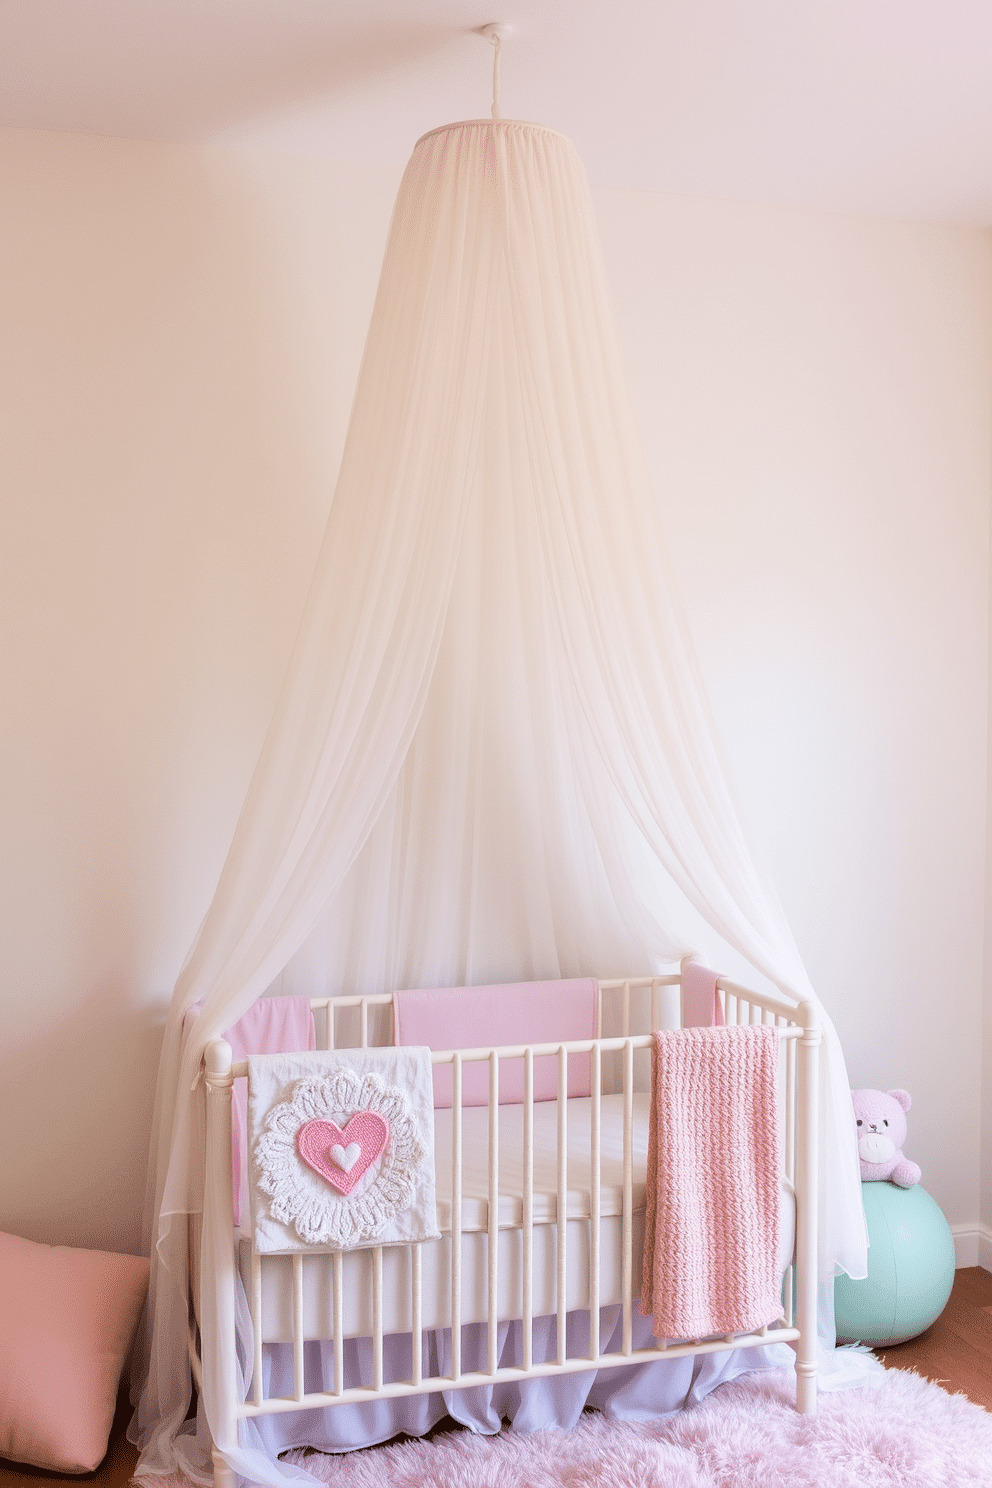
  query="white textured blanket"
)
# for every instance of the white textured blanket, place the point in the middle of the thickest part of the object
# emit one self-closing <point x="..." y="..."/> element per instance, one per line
<point x="341" y="1149"/>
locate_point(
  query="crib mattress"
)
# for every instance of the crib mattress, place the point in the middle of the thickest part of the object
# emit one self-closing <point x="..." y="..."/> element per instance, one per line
<point x="277" y="1284"/>
<point x="475" y="1161"/>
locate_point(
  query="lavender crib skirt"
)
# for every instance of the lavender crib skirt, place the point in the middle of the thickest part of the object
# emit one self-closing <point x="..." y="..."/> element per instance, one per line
<point x="632" y="1392"/>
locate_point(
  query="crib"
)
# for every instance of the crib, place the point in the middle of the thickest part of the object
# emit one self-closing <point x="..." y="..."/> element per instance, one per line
<point x="506" y="1178"/>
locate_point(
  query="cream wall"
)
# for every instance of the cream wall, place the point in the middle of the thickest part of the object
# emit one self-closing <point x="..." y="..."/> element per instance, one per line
<point x="182" y="334"/>
<point x="815" y="396"/>
<point x="183" y="328"/>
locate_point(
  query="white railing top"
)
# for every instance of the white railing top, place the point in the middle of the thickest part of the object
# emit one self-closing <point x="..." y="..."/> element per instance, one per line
<point x="797" y="1018"/>
<point x="767" y="1001"/>
<point x="519" y="1051"/>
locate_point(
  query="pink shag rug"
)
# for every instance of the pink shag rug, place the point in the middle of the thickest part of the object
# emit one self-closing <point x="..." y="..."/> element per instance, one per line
<point x="904" y="1433"/>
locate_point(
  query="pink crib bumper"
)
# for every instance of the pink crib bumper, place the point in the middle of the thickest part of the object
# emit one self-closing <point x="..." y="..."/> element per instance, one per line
<point x="486" y="1017"/>
<point x="272" y="1025"/>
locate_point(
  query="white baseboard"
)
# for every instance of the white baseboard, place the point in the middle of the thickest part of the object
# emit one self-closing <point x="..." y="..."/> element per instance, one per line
<point x="972" y="1245"/>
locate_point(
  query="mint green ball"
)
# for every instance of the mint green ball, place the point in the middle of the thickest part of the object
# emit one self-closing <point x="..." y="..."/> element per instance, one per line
<point x="910" y="1269"/>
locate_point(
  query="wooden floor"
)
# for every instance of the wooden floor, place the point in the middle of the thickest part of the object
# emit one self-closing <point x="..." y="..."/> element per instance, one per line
<point x="956" y="1353"/>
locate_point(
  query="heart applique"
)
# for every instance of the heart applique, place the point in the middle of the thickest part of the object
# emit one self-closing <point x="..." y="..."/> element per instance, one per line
<point x="342" y="1158"/>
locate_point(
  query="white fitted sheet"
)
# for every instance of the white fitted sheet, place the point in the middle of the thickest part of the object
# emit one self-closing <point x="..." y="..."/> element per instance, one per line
<point x="277" y="1286"/>
<point x="475" y="1161"/>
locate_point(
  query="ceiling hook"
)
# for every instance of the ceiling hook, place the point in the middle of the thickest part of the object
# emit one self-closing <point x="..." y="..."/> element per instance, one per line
<point x="494" y="32"/>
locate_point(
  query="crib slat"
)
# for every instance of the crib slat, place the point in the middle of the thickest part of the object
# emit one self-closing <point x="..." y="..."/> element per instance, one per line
<point x="338" y="1268"/>
<point x="298" y="1387"/>
<point x="377" y="1316"/>
<point x="456" y="1216"/>
<point x="528" y="1308"/>
<point x="787" y="1296"/>
<point x="627" y="1241"/>
<point x="256" y="1323"/>
<point x="790" y="1110"/>
<point x="788" y="1158"/>
<point x="562" y="1210"/>
<point x="417" y="1320"/>
<point x="493" y="1257"/>
<point x="594" y="1202"/>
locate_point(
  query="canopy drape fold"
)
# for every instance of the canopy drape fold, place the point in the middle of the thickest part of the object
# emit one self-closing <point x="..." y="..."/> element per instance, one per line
<point x="490" y="758"/>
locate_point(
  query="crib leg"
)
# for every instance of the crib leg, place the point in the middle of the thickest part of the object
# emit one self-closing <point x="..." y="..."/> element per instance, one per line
<point x="807" y="1360"/>
<point x="224" y="1476"/>
<point x="805" y="1392"/>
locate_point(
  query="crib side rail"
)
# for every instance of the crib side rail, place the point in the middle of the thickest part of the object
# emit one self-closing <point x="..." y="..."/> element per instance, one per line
<point x="798" y="1029"/>
<point x="451" y="1373"/>
<point x="621" y="998"/>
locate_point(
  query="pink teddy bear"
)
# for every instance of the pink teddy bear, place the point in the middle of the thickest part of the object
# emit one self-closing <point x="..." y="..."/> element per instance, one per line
<point x="881" y="1122"/>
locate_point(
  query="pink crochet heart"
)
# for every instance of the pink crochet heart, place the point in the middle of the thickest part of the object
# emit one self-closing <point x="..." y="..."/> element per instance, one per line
<point x="329" y="1151"/>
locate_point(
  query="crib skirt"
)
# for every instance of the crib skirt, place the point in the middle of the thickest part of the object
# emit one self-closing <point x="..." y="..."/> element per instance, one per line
<point x="632" y="1392"/>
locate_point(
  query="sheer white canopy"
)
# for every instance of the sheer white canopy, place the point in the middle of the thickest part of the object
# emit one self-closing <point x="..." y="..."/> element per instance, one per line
<point x="490" y="759"/>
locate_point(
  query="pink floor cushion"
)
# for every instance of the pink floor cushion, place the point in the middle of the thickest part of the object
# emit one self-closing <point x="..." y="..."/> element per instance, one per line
<point x="67" y="1318"/>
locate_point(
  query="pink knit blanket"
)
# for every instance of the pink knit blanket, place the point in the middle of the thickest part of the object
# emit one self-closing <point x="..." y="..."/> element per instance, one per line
<point x="713" y="1187"/>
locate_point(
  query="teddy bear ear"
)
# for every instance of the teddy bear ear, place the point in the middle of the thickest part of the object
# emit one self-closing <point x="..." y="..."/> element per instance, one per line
<point x="902" y="1098"/>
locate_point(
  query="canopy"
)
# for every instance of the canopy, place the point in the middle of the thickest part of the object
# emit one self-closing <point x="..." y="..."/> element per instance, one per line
<point x="490" y="759"/>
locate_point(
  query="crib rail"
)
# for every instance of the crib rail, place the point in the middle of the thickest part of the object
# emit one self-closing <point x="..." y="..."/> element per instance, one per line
<point x="623" y="1002"/>
<point x="740" y="1005"/>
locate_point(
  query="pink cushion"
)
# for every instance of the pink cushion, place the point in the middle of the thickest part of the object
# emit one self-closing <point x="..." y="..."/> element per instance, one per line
<point x="67" y="1318"/>
<point x="483" y="1017"/>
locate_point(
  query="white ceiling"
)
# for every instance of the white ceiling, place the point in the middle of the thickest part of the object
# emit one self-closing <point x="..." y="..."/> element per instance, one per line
<point x="868" y="105"/>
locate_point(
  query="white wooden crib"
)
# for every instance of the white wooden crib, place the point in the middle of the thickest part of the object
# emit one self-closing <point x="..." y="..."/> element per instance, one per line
<point x="504" y="1176"/>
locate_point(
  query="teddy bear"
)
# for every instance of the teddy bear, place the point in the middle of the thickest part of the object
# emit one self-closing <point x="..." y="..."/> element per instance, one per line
<point x="881" y="1119"/>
